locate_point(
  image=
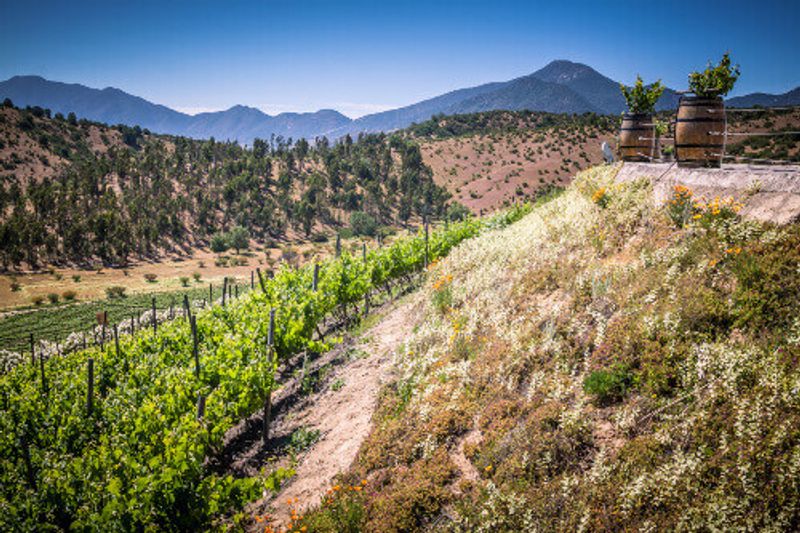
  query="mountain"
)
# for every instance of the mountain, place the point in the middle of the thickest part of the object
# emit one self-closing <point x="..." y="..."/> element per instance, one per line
<point x="601" y="92"/>
<point x="789" y="98"/>
<point x="113" y="106"/>
<point x="560" y="87"/>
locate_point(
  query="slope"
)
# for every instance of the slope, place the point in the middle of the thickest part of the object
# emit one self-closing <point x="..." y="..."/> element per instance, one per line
<point x="598" y="367"/>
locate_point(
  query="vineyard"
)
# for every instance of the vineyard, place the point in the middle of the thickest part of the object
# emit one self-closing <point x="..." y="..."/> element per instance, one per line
<point x="116" y="438"/>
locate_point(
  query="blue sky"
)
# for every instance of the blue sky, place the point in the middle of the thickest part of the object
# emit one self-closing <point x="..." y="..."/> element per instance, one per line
<point x="361" y="57"/>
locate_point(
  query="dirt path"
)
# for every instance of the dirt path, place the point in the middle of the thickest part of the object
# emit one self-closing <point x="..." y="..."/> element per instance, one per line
<point x="344" y="416"/>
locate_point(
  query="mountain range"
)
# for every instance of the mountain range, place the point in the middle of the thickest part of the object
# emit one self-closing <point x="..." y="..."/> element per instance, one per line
<point x="560" y="87"/>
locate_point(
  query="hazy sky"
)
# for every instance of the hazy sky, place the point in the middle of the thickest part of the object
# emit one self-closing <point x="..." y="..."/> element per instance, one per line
<point x="362" y="57"/>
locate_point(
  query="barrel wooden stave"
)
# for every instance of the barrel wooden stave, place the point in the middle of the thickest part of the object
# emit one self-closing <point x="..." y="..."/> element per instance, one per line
<point x="700" y="132"/>
<point x="636" y="137"/>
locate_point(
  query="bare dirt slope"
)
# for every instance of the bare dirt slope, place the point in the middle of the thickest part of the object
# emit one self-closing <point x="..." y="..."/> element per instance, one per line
<point x="342" y="414"/>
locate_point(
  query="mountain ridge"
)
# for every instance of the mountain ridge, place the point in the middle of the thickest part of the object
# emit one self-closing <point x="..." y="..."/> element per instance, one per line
<point x="561" y="86"/>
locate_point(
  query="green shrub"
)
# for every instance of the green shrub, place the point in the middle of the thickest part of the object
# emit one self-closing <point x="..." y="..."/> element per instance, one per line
<point x="15" y="286"/>
<point x="609" y="386"/>
<point x="184" y="281"/>
<point x="150" y="277"/>
<point x="116" y="291"/>
<point x="714" y="81"/>
<point x="219" y="243"/>
<point x="53" y="297"/>
<point x="69" y="296"/>
<point x="363" y="224"/>
<point x="641" y="98"/>
<point x="196" y="277"/>
<point x="37" y="300"/>
<point x="76" y="278"/>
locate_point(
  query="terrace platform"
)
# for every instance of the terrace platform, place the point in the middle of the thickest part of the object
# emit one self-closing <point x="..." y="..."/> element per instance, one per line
<point x="769" y="193"/>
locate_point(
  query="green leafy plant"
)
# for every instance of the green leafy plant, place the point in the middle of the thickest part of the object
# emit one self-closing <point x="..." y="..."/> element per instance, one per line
<point x="53" y="297"/>
<point x="642" y="98"/>
<point x="115" y="291"/>
<point x="150" y="277"/>
<point x="714" y="81"/>
<point x="184" y="281"/>
<point x="69" y="296"/>
<point x="609" y="386"/>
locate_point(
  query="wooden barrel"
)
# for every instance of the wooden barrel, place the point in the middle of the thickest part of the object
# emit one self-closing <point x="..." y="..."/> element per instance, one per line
<point x="700" y="132"/>
<point x="636" y="137"/>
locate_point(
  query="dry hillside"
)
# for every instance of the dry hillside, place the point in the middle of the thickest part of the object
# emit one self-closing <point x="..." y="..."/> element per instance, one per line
<point x="603" y="364"/>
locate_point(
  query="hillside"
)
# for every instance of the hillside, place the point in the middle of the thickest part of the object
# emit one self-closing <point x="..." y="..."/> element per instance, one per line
<point x="603" y="364"/>
<point x="76" y="192"/>
<point x="492" y="159"/>
<point x="559" y="87"/>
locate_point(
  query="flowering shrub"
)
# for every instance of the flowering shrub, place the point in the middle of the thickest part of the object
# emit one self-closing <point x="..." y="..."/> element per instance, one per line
<point x="600" y="197"/>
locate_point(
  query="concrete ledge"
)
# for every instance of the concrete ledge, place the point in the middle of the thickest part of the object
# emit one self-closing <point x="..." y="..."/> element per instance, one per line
<point x="769" y="193"/>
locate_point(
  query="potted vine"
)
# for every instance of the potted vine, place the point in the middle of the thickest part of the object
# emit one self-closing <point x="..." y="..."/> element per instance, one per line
<point x="637" y="133"/>
<point x="701" y="125"/>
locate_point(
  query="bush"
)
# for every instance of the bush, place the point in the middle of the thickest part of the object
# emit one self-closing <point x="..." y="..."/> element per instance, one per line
<point x="239" y="238"/>
<point x="116" y="291"/>
<point x="15" y="286"/>
<point x="150" y="277"/>
<point x="641" y="98"/>
<point x="363" y="224"/>
<point x="456" y="212"/>
<point x="196" y="277"/>
<point x="37" y="300"/>
<point x="219" y="243"/>
<point x="69" y="296"/>
<point x="76" y="278"/>
<point x="714" y="81"/>
<point x="53" y="297"/>
<point x="319" y="238"/>
<point x="185" y="281"/>
<point x="609" y="386"/>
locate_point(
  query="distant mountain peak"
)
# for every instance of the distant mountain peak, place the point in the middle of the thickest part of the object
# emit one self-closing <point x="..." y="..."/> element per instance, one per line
<point x="563" y="71"/>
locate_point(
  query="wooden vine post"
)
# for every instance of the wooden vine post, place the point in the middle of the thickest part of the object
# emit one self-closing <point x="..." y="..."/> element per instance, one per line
<point x="195" y="349"/>
<point x="252" y="281"/>
<point x="155" y="322"/>
<point x="224" y="289"/>
<point x="315" y="282"/>
<point x="338" y="245"/>
<point x="364" y="252"/>
<point x="268" y="398"/>
<point x="187" y="310"/>
<point x="33" y="349"/>
<point x="90" y="388"/>
<point x="211" y="293"/>
<point x="201" y="406"/>
<point x="41" y="371"/>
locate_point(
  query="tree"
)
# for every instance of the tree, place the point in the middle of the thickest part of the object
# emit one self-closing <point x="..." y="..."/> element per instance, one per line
<point x="363" y="224"/>
<point x="219" y="243"/>
<point x="72" y="119"/>
<point x="239" y="238"/>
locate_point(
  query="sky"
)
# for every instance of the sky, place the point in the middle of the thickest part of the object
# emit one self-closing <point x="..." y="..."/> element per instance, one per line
<point x="364" y="57"/>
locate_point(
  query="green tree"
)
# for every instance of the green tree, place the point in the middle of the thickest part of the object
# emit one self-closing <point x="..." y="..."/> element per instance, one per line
<point x="239" y="238"/>
<point x="219" y="243"/>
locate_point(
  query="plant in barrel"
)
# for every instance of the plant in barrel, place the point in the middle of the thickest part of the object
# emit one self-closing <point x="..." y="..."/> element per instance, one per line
<point x="637" y="134"/>
<point x="700" y="127"/>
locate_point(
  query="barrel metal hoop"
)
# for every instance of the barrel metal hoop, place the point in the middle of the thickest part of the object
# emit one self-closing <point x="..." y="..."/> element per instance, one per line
<point x="699" y="146"/>
<point x="700" y="119"/>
